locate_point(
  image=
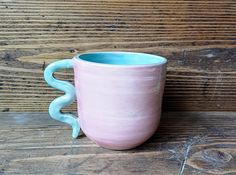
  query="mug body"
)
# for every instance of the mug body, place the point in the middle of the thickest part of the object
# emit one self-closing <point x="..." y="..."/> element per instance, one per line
<point x="119" y="96"/>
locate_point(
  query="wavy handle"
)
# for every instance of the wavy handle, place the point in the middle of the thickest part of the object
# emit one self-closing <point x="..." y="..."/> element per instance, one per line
<point x="60" y="102"/>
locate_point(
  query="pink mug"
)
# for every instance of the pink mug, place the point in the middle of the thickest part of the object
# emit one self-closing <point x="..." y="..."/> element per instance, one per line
<point x="119" y="96"/>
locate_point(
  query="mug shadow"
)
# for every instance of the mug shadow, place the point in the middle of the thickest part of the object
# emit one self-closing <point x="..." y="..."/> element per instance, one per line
<point x="174" y="129"/>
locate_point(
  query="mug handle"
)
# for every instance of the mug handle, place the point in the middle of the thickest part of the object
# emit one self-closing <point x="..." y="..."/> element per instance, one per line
<point x="60" y="102"/>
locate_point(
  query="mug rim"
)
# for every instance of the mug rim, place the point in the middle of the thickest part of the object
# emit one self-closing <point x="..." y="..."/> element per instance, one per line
<point x="77" y="58"/>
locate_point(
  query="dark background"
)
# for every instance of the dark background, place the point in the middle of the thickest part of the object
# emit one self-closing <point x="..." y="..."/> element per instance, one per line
<point x="197" y="37"/>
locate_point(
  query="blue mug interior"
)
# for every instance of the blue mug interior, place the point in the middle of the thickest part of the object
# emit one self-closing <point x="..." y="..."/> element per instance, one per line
<point x="122" y="58"/>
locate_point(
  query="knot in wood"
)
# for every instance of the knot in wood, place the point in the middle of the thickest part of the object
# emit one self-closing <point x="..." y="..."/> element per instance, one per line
<point x="216" y="156"/>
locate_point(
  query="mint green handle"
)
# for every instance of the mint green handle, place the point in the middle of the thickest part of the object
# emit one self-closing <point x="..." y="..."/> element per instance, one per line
<point x="65" y="100"/>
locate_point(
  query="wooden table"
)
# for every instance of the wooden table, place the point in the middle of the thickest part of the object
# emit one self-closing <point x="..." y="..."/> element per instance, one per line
<point x="186" y="143"/>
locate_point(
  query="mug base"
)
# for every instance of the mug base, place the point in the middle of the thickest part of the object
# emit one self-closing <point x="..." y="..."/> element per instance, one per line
<point x="116" y="147"/>
<point x="120" y="146"/>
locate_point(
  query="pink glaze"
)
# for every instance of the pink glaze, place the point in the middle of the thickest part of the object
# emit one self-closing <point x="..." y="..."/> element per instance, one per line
<point x="119" y="106"/>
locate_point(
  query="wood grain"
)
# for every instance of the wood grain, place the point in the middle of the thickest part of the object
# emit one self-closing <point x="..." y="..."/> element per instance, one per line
<point x="185" y="143"/>
<point x="197" y="37"/>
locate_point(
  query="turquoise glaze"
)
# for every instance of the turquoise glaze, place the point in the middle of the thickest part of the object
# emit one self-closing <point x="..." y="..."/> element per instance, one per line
<point x="60" y="102"/>
<point x="122" y="58"/>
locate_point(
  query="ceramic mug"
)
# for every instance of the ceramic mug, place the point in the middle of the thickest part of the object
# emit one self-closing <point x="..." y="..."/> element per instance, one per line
<point x="119" y="96"/>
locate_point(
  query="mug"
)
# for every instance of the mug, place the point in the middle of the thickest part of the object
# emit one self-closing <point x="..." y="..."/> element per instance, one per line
<point x="119" y="96"/>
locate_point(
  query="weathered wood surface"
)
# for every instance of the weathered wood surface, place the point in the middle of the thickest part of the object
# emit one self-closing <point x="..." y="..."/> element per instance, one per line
<point x="197" y="37"/>
<point x="185" y="143"/>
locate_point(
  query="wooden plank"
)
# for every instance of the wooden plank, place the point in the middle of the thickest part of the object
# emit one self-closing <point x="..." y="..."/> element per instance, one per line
<point x="185" y="143"/>
<point x="197" y="37"/>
